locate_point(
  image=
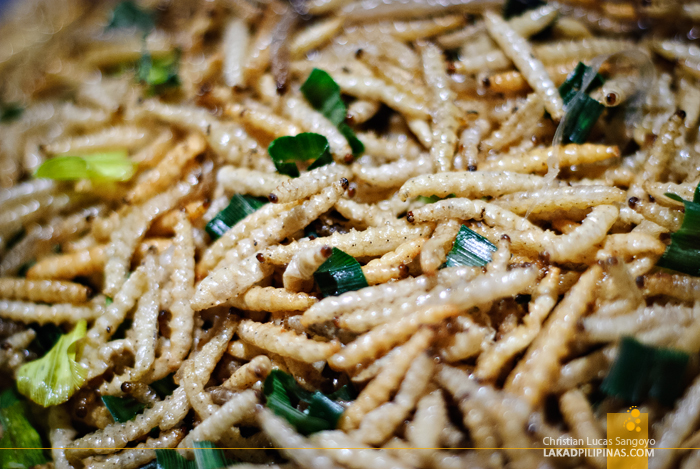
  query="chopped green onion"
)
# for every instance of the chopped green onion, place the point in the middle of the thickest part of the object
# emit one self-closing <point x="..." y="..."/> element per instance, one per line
<point x="54" y="378"/>
<point x="108" y="301"/>
<point x="164" y="386"/>
<point x="206" y="456"/>
<point x="470" y="248"/>
<point x="284" y="395"/>
<point x="20" y="446"/>
<point x="159" y="74"/>
<point x="642" y="370"/>
<point x="285" y="151"/>
<point x="128" y="15"/>
<point x="110" y="166"/>
<point x="433" y="198"/>
<point x="240" y="207"/>
<point x="46" y="337"/>
<point x="683" y="254"/>
<point x="582" y="111"/>
<point x="340" y="273"/>
<point x="10" y="112"/>
<point x="518" y="7"/>
<point x="170" y="459"/>
<point x="323" y="93"/>
<point x="122" y="409"/>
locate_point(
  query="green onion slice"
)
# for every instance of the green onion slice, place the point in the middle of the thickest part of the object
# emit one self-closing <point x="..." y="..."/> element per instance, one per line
<point x="340" y="273"/>
<point x="582" y="111"/>
<point x="323" y="93"/>
<point x="285" y="151"/>
<point x="164" y="386"/>
<point x="284" y="395"/>
<point x="159" y="74"/>
<point x="240" y="207"/>
<point x="54" y="378"/>
<point x="20" y="446"/>
<point x="470" y="248"/>
<point x="642" y="370"/>
<point x="109" y="166"/>
<point x="122" y="409"/>
<point x="206" y="456"/>
<point x="683" y="254"/>
<point x="128" y="15"/>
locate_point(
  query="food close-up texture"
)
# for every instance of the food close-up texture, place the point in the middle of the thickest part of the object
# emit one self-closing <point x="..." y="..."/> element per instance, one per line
<point x="325" y="234"/>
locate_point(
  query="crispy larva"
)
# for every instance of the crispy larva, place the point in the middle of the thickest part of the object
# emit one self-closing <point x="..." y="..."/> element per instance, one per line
<point x="231" y="413"/>
<point x="520" y="52"/>
<point x="362" y="110"/>
<point x="43" y="291"/>
<point x="392" y="264"/>
<point x="355" y="243"/>
<point x="165" y="414"/>
<point x="56" y="313"/>
<point x="145" y="323"/>
<point x="299" y="111"/>
<point x="496" y="354"/>
<point x="378" y="90"/>
<point x="586" y="48"/>
<point x="579" y="417"/>
<point x="444" y="112"/>
<point x="286" y="343"/>
<point x="61" y="433"/>
<point x="114" y="137"/>
<point x="469" y="184"/>
<point x="530" y="376"/>
<point x="235" y="42"/>
<point x="132" y="228"/>
<point x="309" y="183"/>
<point x="365" y="215"/>
<point x="260" y="117"/>
<point x="402" y="79"/>
<point x="293" y="445"/>
<point x="273" y="300"/>
<point x="299" y="273"/>
<point x="351" y="453"/>
<point x="387" y="380"/>
<point x="332" y="306"/>
<point x="247" y="375"/>
<point x="435" y="250"/>
<point x="395" y="173"/>
<point x="241" y="230"/>
<point x="535" y="160"/>
<point x="389" y="149"/>
<point x="12" y="354"/>
<point x="217" y="287"/>
<point x="544" y="200"/>
<point x="520" y="123"/>
<point x="381" y="422"/>
<point x="382" y="338"/>
<point x="315" y="36"/>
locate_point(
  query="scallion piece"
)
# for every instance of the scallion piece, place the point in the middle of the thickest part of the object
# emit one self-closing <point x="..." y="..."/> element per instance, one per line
<point x="641" y="370"/>
<point x="20" y="446"/>
<point x="286" y="151"/>
<point x="321" y="411"/>
<point x="158" y="74"/>
<point x="323" y="93"/>
<point x="170" y="459"/>
<point x="108" y="166"/>
<point x="582" y="111"/>
<point x="128" y="15"/>
<point x="240" y="207"/>
<point x="122" y="409"/>
<point x="683" y="254"/>
<point x="340" y="273"/>
<point x="54" y="378"/>
<point x="164" y="386"/>
<point x="208" y="456"/>
<point x="469" y="248"/>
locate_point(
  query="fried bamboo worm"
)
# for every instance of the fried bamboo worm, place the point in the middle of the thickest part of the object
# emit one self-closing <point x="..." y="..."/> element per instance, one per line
<point x="217" y="287"/>
<point x="444" y="113"/>
<point x="543" y="358"/>
<point x="298" y="276"/>
<point x="520" y="52"/>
